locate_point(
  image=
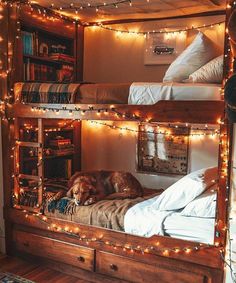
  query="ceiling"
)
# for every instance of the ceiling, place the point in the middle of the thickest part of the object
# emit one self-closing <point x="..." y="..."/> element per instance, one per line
<point x="139" y="8"/>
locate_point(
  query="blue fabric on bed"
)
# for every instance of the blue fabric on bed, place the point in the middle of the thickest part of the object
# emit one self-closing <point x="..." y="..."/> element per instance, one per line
<point x="59" y="205"/>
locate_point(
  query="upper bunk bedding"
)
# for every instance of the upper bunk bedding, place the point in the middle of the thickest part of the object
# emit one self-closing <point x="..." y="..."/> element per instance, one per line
<point x="136" y="93"/>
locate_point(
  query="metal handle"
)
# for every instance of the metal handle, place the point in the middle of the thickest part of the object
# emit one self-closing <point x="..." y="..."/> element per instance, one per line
<point x="81" y="258"/>
<point x="113" y="267"/>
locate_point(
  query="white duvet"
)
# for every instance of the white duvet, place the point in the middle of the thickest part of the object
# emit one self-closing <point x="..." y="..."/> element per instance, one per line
<point x="150" y="93"/>
<point x="143" y="220"/>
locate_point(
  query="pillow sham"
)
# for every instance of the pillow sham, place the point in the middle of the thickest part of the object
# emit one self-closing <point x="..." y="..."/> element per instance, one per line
<point x="212" y="72"/>
<point x="186" y="189"/>
<point x="197" y="54"/>
<point x="203" y="206"/>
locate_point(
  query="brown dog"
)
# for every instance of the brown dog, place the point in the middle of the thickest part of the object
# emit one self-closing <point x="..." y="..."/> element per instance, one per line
<point x="89" y="187"/>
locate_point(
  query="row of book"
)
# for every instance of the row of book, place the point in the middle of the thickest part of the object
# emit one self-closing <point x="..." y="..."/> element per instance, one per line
<point x="42" y="72"/>
<point x="39" y="72"/>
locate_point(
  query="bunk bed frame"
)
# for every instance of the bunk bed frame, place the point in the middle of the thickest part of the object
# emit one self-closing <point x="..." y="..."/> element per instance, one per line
<point x="102" y="255"/>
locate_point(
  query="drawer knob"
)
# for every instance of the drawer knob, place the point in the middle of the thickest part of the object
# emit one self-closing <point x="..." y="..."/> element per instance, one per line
<point x="26" y="244"/>
<point x="113" y="267"/>
<point x="81" y="258"/>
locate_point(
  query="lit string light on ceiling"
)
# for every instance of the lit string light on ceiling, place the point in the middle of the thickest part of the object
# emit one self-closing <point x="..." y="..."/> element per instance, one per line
<point x="77" y="8"/>
<point x="159" y="31"/>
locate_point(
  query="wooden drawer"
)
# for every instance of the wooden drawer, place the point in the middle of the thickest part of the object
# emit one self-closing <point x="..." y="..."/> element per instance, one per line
<point x="134" y="271"/>
<point x="78" y="256"/>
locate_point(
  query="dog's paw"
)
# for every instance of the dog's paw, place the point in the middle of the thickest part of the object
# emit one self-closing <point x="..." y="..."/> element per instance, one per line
<point x="89" y="201"/>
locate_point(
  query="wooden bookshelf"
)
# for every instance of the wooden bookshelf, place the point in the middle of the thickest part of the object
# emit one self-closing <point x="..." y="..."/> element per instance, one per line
<point x="34" y="138"/>
<point x="38" y="66"/>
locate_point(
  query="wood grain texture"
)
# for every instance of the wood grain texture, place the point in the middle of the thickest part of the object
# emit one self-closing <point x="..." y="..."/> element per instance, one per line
<point x="116" y="266"/>
<point x="53" y="249"/>
<point x="209" y="257"/>
<point x="36" y="271"/>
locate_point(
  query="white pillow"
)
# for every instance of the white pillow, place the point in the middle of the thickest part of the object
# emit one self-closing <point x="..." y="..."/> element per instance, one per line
<point x="203" y="206"/>
<point x="197" y="54"/>
<point x="186" y="189"/>
<point x="212" y="72"/>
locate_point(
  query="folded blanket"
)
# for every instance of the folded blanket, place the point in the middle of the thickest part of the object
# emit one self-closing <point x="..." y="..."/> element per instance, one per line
<point x="46" y="92"/>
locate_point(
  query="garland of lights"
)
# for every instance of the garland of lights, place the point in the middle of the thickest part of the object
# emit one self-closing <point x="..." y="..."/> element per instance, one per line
<point x="72" y="6"/>
<point x="162" y="31"/>
<point x="165" y="251"/>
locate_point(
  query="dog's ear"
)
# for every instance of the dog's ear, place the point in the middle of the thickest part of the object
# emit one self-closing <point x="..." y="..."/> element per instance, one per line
<point x="93" y="190"/>
<point x="69" y="194"/>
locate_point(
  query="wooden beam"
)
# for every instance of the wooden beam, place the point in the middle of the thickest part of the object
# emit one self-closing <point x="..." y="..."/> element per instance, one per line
<point x="163" y="111"/>
<point x="126" y="21"/>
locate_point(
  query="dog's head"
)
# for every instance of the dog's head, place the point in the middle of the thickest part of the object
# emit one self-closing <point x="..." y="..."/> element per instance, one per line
<point x="82" y="189"/>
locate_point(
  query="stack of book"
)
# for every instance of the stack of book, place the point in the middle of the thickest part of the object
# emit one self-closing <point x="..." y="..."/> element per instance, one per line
<point x="62" y="57"/>
<point x="60" y="147"/>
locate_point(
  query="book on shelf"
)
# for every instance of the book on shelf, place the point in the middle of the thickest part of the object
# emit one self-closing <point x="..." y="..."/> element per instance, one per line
<point x="60" y="143"/>
<point x="68" y="168"/>
<point x="30" y="43"/>
<point x="63" y="151"/>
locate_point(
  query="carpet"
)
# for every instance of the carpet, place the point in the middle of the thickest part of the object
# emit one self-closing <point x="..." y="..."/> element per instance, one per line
<point x="6" y="277"/>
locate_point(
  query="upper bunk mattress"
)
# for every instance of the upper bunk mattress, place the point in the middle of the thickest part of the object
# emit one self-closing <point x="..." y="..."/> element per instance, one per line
<point x="117" y="93"/>
<point x="150" y="93"/>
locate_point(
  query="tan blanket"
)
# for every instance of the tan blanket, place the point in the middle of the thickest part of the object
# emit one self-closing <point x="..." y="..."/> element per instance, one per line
<point x="107" y="213"/>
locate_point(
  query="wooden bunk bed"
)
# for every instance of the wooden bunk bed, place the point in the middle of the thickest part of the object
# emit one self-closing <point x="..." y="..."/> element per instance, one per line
<point x="102" y="255"/>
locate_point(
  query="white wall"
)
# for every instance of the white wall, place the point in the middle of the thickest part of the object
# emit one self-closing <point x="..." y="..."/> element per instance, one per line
<point x="112" y="58"/>
<point x="108" y="149"/>
<point x="2" y="230"/>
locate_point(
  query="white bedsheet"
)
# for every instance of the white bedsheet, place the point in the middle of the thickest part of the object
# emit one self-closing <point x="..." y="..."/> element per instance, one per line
<point x="190" y="228"/>
<point x="150" y="93"/>
<point x="143" y="220"/>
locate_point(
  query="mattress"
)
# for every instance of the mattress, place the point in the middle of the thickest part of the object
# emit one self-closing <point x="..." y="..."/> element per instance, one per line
<point x="114" y="93"/>
<point x="151" y="93"/>
<point x="190" y="228"/>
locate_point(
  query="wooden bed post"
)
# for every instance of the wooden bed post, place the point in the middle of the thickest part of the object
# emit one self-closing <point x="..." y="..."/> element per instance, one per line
<point x="40" y="162"/>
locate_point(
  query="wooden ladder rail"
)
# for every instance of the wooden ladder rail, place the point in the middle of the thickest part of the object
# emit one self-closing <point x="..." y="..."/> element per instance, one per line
<point x="18" y="175"/>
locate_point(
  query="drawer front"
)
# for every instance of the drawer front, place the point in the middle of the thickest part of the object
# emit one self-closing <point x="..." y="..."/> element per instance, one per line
<point x="134" y="271"/>
<point x="78" y="256"/>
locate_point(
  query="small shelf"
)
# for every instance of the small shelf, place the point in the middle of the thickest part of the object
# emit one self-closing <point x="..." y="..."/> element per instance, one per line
<point x="47" y="60"/>
<point x="35" y="158"/>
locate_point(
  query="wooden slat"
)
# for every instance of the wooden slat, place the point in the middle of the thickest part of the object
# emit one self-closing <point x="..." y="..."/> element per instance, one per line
<point x="29" y="177"/>
<point x="16" y="159"/>
<point x="40" y="162"/>
<point x="29" y="144"/>
<point x="163" y="111"/>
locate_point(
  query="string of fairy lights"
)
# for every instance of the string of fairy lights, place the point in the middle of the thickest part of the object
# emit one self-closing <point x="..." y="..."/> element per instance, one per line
<point x="159" y="31"/>
<point x="76" y="8"/>
<point x="156" y="248"/>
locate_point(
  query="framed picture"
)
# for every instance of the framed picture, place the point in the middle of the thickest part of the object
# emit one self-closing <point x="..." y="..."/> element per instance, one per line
<point x="163" y="48"/>
<point x="163" y="149"/>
